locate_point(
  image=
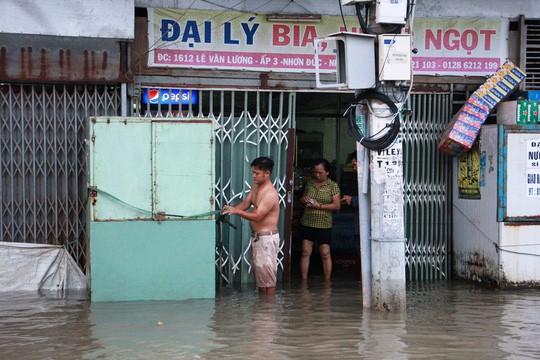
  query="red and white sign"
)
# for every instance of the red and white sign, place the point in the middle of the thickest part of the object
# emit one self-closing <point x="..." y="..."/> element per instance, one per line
<point x="475" y="47"/>
<point x="244" y="41"/>
<point x="235" y="40"/>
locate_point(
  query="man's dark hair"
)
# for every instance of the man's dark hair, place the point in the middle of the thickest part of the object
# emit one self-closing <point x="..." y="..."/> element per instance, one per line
<point x="263" y="163"/>
<point x="353" y="156"/>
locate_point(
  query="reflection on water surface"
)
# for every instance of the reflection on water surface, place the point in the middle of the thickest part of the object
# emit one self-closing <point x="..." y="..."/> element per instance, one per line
<point x="317" y="321"/>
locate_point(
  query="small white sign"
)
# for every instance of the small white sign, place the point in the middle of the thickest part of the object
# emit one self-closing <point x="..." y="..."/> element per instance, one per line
<point x="533" y="182"/>
<point x="533" y="154"/>
<point x="533" y="167"/>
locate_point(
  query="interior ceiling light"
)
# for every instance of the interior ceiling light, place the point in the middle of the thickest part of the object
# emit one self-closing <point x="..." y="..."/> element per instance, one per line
<point x="293" y="17"/>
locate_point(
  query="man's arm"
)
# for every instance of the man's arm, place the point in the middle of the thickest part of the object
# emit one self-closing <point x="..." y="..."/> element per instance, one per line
<point x="350" y="200"/>
<point x="259" y="212"/>
<point x="243" y="205"/>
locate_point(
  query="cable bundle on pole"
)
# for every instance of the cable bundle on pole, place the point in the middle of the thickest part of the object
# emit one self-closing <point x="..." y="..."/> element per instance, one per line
<point x="375" y="142"/>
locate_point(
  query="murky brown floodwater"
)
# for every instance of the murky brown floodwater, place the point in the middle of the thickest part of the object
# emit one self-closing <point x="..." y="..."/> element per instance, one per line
<point x="443" y="320"/>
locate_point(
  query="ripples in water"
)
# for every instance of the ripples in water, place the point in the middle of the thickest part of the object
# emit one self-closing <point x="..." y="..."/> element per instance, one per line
<point x="442" y="320"/>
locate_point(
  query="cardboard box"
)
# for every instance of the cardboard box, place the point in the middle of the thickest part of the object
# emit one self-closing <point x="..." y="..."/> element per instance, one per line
<point x="479" y="102"/>
<point x="458" y="137"/>
<point x="507" y="113"/>
<point x="532" y="112"/>
<point x="530" y="95"/>
<point x="500" y="84"/>
<point x="460" y="134"/>
<point x="522" y="112"/>
<point x="478" y="114"/>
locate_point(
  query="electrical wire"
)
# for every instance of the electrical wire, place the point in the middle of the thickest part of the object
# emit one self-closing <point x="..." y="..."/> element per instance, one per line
<point x="500" y="248"/>
<point x="487" y="238"/>
<point x="363" y="23"/>
<point x="368" y="29"/>
<point x="342" y="16"/>
<point x="391" y="129"/>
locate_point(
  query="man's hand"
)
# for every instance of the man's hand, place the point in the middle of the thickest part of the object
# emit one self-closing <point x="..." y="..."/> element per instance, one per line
<point x="227" y="210"/>
<point x="347" y="199"/>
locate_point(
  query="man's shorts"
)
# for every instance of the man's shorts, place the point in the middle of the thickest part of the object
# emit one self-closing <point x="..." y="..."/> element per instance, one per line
<point x="264" y="252"/>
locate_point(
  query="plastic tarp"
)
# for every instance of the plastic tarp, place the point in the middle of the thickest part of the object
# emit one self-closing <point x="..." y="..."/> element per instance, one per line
<point x="38" y="267"/>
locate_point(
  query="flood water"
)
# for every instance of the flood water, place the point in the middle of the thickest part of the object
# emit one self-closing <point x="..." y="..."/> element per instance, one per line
<point x="442" y="320"/>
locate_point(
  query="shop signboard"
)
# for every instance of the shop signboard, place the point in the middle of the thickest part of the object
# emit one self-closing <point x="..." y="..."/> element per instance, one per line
<point x="228" y="40"/>
<point x="231" y="40"/>
<point x="169" y="96"/>
<point x="473" y="47"/>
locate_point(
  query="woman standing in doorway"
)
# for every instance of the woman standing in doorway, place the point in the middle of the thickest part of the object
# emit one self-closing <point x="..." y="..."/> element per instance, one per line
<point x="321" y="197"/>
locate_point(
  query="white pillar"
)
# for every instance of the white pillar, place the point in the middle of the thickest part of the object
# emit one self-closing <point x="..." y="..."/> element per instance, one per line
<point x="387" y="218"/>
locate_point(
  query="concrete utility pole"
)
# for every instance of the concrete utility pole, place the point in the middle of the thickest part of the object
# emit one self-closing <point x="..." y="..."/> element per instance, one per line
<point x="364" y="222"/>
<point x="362" y="155"/>
<point x="387" y="218"/>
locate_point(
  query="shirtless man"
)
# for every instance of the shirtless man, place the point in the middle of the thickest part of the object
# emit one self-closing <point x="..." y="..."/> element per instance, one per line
<point x="263" y="218"/>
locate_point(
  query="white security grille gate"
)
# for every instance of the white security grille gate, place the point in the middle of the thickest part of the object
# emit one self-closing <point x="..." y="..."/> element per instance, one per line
<point x="43" y="161"/>
<point x="427" y="188"/>
<point x="249" y="124"/>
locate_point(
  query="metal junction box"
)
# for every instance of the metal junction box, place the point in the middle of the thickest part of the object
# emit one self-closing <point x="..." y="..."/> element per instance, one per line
<point x="391" y="11"/>
<point x="394" y="57"/>
<point x="355" y="60"/>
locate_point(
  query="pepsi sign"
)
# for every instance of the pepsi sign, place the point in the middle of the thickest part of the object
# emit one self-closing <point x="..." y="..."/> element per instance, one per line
<point x="169" y="96"/>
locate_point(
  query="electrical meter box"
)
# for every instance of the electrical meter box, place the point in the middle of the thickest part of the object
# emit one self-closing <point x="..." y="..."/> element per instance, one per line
<point x="354" y="60"/>
<point x="391" y="11"/>
<point x="394" y="57"/>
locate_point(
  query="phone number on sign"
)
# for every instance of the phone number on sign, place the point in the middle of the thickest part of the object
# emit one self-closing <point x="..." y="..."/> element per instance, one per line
<point x="453" y="65"/>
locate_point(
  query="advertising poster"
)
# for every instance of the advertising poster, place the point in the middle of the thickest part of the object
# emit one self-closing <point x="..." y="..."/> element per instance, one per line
<point x="469" y="174"/>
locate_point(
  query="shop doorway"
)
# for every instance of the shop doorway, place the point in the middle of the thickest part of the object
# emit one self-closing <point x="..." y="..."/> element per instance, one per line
<point x="322" y="132"/>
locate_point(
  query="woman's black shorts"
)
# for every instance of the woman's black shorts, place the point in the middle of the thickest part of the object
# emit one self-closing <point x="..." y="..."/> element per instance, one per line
<point x="317" y="235"/>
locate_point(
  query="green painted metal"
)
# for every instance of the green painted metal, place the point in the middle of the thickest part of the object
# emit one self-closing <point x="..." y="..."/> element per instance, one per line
<point x="155" y="166"/>
<point x="150" y="260"/>
<point x="427" y="188"/>
<point x="249" y="124"/>
<point x="184" y="182"/>
<point x="121" y="164"/>
<point x="255" y="124"/>
<point x="147" y="174"/>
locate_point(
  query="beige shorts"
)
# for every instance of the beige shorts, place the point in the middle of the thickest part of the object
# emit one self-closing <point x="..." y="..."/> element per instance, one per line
<point x="264" y="251"/>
